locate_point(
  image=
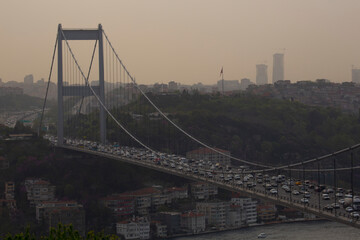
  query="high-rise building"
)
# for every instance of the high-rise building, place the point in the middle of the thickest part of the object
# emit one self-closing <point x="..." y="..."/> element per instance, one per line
<point x="29" y="79"/>
<point x="261" y="74"/>
<point x="355" y="75"/>
<point x="278" y="67"/>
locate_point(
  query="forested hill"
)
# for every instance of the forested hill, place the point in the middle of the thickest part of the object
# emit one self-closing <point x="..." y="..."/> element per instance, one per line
<point x="251" y="127"/>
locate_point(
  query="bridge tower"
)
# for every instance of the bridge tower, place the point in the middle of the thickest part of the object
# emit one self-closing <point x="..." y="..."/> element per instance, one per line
<point x="80" y="34"/>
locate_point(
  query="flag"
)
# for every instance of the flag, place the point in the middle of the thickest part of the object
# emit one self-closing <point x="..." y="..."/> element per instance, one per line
<point x="222" y="71"/>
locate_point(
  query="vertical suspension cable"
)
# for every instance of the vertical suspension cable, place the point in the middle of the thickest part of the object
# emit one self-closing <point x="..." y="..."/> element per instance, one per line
<point x="304" y="185"/>
<point x="318" y="172"/>
<point x="290" y="183"/>
<point x="352" y="175"/>
<point x="335" y="186"/>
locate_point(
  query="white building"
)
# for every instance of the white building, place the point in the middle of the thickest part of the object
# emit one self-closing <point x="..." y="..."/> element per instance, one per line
<point x="39" y="190"/>
<point x="215" y="212"/>
<point x="249" y="207"/>
<point x="193" y="222"/>
<point x="235" y="216"/>
<point x="135" y="228"/>
<point x="160" y="229"/>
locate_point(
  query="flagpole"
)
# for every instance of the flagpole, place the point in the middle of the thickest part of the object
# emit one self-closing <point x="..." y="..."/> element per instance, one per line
<point x="222" y="73"/>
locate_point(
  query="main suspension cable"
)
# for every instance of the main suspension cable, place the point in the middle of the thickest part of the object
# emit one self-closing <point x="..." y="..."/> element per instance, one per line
<point x="48" y="84"/>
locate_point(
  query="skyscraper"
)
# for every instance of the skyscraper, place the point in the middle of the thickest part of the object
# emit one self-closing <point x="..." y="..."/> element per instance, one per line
<point x="355" y="75"/>
<point x="278" y="67"/>
<point x="261" y="74"/>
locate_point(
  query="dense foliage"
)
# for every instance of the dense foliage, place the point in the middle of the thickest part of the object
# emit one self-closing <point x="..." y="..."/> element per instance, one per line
<point x="252" y="127"/>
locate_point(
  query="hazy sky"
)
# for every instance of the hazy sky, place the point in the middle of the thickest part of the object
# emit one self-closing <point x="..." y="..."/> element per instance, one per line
<point x="188" y="41"/>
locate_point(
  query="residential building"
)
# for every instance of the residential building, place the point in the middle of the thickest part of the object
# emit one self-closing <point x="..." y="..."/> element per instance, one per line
<point x="235" y="216"/>
<point x="278" y="67"/>
<point x="143" y="198"/>
<point x="215" y="212"/>
<point x="160" y="229"/>
<point x="209" y="155"/>
<point x="9" y="190"/>
<point x="249" y="207"/>
<point x="121" y="206"/>
<point x="66" y="212"/>
<point x="202" y="190"/>
<point x="172" y="220"/>
<point x="261" y="74"/>
<point x="7" y="204"/>
<point x="135" y="228"/>
<point x="266" y="212"/>
<point x="39" y="190"/>
<point x="176" y="193"/>
<point x="193" y="222"/>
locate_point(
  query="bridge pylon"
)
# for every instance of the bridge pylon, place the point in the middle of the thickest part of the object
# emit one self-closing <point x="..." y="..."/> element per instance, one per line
<point x="83" y="91"/>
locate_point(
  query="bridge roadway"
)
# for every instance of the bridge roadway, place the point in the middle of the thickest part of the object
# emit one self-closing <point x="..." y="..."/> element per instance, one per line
<point x="282" y="198"/>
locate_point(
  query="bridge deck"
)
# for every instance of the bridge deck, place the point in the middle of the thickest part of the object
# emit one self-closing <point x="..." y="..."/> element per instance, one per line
<point x="254" y="193"/>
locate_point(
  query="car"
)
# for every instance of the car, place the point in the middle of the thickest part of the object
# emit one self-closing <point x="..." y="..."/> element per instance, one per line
<point x="349" y="209"/>
<point x="295" y="192"/>
<point x="328" y="207"/>
<point x="240" y="183"/>
<point x="355" y="214"/>
<point x="249" y="185"/>
<point x="273" y="191"/>
<point x="319" y="188"/>
<point x="325" y="196"/>
<point x="341" y="201"/>
<point x="304" y="200"/>
<point x="330" y="190"/>
<point x="335" y="205"/>
<point x="267" y="186"/>
<point x="339" y="194"/>
<point x="306" y="195"/>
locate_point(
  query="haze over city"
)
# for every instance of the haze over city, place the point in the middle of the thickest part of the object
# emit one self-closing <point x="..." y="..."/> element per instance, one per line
<point x="189" y="41"/>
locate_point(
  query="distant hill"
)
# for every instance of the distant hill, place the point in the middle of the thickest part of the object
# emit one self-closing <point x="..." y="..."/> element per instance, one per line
<point x="20" y="102"/>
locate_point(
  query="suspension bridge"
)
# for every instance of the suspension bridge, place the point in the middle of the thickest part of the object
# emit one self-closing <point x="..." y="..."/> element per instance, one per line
<point x="119" y="119"/>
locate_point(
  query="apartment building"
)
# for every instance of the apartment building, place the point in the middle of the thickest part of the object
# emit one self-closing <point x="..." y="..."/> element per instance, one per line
<point x="135" y="228"/>
<point x="39" y="190"/>
<point x="193" y="222"/>
<point x="215" y="212"/>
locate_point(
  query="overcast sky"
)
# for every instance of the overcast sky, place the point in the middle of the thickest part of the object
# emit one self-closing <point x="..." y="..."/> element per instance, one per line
<point x="188" y="41"/>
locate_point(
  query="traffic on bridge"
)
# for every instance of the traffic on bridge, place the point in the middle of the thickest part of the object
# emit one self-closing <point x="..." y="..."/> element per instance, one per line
<point x="306" y="195"/>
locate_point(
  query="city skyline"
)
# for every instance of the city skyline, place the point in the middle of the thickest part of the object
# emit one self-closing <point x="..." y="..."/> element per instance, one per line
<point x="187" y="41"/>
